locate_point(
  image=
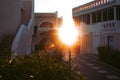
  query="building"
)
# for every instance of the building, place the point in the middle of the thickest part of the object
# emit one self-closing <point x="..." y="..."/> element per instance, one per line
<point x="60" y="21"/>
<point x="99" y="22"/>
<point x="16" y="20"/>
<point x="45" y="22"/>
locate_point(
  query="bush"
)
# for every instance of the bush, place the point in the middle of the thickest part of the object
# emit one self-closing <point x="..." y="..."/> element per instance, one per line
<point x="116" y="58"/>
<point x="109" y="55"/>
<point x="105" y="53"/>
<point x="36" y="67"/>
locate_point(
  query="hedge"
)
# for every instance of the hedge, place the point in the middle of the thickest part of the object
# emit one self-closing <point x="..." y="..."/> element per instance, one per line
<point x="109" y="55"/>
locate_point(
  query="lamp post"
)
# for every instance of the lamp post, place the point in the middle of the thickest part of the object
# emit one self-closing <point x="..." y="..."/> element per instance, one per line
<point x="70" y="56"/>
<point x="70" y="61"/>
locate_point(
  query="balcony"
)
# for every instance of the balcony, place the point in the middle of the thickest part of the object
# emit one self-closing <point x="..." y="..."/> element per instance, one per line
<point x="111" y="26"/>
<point x="91" y="5"/>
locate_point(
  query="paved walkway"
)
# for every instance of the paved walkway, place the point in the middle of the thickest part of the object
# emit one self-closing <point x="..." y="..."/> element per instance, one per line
<point x="93" y="69"/>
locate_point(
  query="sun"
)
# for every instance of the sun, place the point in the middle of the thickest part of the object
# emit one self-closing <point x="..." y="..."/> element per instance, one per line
<point x="68" y="33"/>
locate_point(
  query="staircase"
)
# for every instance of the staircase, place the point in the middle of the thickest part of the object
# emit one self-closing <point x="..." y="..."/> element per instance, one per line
<point x="5" y="45"/>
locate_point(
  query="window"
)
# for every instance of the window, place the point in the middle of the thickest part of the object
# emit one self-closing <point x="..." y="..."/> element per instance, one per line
<point x="110" y="41"/>
<point x="118" y="12"/>
<point x="99" y="16"/>
<point x="94" y="17"/>
<point x="110" y="13"/>
<point x="105" y="15"/>
<point x="88" y="18"/>
<point x="76" y="20"/>
<point x="84" y="18"/>
<point x="47" y="25"/>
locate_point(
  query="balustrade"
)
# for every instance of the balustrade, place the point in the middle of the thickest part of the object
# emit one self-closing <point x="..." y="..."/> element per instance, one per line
<point x="91" y="4"/>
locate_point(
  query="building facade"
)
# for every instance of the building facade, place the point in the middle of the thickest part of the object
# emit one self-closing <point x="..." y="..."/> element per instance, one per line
<point x="99" y="23"/>
<point x="44" y="22"/>
<point x="16" y="23"/>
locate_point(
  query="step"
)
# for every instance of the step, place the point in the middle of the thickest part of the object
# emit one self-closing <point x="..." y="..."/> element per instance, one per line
<point x="5" y="44"/>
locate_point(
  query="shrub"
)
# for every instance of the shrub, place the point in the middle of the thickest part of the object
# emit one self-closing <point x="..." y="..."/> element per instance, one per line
<point x="36" y="67"/>
<point x="109" y="55"/>
<point x="105" y="53"/>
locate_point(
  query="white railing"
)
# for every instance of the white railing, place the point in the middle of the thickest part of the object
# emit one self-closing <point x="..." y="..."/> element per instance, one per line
<point x="22" y="42"/>
<point x="16" y="41"/>
<point x="30" y="30"/>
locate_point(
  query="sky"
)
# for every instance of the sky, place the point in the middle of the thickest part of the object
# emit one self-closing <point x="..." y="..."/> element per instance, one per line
<point x="62" y="6"/>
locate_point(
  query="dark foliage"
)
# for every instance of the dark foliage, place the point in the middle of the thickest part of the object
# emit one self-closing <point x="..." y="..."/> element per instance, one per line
<point x="37" y="67"/>
<point x="109" y="55"/>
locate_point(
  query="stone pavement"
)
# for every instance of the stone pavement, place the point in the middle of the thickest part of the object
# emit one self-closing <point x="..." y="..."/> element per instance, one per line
<point x="93" y="69"/>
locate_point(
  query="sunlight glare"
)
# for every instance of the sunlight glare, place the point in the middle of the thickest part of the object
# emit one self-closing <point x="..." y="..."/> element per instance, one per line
<point x="68" y="33"/>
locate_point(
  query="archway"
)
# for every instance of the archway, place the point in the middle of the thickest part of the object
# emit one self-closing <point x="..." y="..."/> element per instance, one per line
<point x="47" y="25"/>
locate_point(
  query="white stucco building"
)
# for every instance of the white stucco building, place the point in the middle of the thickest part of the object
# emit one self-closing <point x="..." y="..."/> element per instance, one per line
<point x="99" y="23"/>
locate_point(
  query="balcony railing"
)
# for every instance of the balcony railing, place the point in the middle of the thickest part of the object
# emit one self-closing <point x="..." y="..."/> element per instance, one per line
<point x="91" y="5"/>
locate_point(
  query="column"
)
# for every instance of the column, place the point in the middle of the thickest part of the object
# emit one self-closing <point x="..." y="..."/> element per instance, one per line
<point x="101" y="15"/>
<point x="115" y="14"/>
<point x="90" y="18"/>
<point x="96" y="17"/>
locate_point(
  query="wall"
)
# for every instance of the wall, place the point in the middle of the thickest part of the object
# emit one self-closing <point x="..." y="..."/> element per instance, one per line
<point x="45" y="17"/>
<point x="87" y="43"/>
<point x="10" y="16"/>
<point x="26" y="12"/>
